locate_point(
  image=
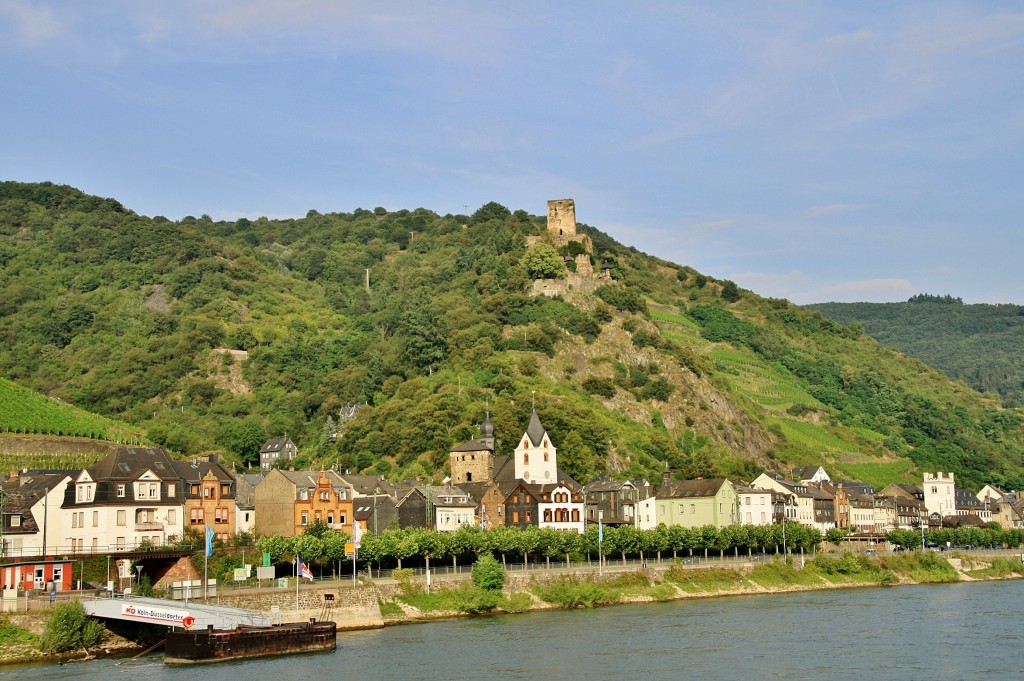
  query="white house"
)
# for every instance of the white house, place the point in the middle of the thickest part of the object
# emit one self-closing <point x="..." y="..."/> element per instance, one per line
<point x="134" y="495"/>
<point x="561" y="508"/>
<point x="755" y="505"/>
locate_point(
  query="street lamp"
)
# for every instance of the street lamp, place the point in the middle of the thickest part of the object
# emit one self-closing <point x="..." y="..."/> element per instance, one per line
<point x="138" y="569"/>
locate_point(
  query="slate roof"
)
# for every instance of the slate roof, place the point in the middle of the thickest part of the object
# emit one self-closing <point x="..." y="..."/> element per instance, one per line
<point x="128" y="463"/>
<point x="274" y="444"/>
<point x="473" y="446"/>
<point x="366" y="485"/>
<point x="676" y="489"/>
<point x="535" y="430"/>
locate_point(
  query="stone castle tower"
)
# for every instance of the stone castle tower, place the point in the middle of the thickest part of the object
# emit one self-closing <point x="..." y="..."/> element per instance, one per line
<point x="562" y="219"/>
<point x="473" y="461"/>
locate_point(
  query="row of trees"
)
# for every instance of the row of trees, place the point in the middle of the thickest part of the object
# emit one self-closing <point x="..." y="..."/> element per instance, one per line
<point x="396" y="547"/>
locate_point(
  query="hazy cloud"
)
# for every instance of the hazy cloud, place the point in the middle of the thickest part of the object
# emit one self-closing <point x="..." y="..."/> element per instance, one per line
<point x="31" y="23"/>
<point x="831" y="209"/>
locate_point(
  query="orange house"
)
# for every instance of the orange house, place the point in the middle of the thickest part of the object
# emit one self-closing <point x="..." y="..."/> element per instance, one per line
<point x="329" y="501"/>
<point x="209" y="497"/>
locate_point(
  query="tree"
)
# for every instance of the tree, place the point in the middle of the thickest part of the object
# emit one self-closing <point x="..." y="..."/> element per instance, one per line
<point x="543" y="262"/>
<point x="243" y="438"/>
<point x="69" y="627"/>
<point x="834" y="536"/>
<point x="488" y="574"/>
<point x="730" y="292"/>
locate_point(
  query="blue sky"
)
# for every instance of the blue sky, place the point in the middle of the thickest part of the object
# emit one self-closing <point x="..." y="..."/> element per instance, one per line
<point x="816" y="151"/>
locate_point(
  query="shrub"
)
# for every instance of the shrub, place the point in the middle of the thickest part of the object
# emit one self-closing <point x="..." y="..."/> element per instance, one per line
<point x="488" y="573"/>
<point x="69" y="628"/>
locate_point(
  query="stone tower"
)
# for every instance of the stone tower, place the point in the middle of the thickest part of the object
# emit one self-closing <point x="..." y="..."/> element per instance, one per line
<point x="562" y="219"/>
<point x="473" y="461"/>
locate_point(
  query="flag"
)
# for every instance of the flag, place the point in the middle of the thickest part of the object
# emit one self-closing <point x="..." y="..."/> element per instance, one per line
<point x="209" y="541"/>
<point x="357" y="534"/>
<point x="304" y="570"/>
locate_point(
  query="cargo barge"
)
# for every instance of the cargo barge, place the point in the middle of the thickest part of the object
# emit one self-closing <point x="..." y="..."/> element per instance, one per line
<point x="183" y="646"/>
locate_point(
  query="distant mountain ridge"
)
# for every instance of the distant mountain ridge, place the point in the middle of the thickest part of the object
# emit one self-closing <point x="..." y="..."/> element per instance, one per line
<point x="217" y="335"/>
<point x="979" y="344"/>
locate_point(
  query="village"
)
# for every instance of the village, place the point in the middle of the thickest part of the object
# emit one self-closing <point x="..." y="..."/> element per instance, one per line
<point x="142" y="498"/>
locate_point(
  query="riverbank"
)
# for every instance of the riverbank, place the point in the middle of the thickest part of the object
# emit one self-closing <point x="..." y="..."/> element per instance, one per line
<point x="406" y="601"/>
<point x="410" y="603"/>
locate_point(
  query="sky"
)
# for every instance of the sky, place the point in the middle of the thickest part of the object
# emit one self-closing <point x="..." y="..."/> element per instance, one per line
<point x="814" y="151"/>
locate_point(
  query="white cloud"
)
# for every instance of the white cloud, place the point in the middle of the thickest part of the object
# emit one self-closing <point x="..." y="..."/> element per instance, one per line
<point x="831" y="209"/>
<point x="32" y="24"/>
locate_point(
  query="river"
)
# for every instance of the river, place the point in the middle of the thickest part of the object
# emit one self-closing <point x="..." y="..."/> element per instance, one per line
<point x="954" y="631"/>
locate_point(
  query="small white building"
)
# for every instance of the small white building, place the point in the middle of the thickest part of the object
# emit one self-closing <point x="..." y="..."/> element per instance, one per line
<point x="755" y="505"/>
<point x="646" y="513"/>
<point x="561" y="508"/>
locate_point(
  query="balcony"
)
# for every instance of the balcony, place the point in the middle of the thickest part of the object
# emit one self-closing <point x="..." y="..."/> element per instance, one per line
<point x="151" y="526"/>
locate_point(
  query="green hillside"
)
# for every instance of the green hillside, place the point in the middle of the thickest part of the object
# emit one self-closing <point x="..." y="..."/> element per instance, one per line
<point x="213" y="335"/>
<point x="977" y="344"/>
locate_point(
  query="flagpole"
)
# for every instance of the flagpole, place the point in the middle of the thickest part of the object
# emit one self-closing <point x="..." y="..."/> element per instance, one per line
<point x="298" y="569"/>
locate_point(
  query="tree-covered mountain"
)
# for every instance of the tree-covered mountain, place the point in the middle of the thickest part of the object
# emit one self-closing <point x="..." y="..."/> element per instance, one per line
<point x="978" y="344"/>
<point x="216" y="335"/>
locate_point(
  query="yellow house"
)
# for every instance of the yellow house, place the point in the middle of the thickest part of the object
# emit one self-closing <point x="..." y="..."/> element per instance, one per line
<point x="696" y="503"/>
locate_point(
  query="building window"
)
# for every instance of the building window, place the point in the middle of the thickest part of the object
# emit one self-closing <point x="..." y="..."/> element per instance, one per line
<point x="693" y="508"/>
<point x="170" y="489"/>
<point x="305" y="518"/>
<point x="122" y="518"/>
<point x="575" y="515"/>
<point x="172" y="516"/>
<point x="529" y="515"/>
<point x="225" y="490"/>
<point x="526" y="458"/>
<point x="95" y="518"/>
<point x="515" y="516"/>
<point x="120" y="490"/>
<point x="208" y="492"/>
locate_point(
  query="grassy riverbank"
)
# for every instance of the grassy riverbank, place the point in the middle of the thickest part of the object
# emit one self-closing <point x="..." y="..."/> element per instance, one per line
<point x="21" y="633"/>
<point x="677" y="582"/>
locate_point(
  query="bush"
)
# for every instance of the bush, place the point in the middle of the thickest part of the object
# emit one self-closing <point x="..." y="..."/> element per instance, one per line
<point x="70" y="628"/>
<point x="488" y="573"/>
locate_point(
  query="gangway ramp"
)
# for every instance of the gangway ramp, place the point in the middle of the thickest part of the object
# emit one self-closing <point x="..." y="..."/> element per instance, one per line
<point x="173" y="613"/>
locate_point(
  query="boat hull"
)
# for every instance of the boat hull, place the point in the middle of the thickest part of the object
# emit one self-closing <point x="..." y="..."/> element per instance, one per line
<point x="217" y="645"/>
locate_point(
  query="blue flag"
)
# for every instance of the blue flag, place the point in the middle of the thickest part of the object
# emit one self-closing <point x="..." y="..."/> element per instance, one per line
<point x="209" y="541"/>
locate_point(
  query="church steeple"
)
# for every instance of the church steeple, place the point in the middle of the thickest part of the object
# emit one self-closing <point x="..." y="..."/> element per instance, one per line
<point x="487" y="431"/>
<point x="535" y="456"/>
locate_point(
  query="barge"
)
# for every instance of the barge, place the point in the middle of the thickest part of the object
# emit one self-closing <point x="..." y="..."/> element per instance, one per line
<point x="183" y="646"/>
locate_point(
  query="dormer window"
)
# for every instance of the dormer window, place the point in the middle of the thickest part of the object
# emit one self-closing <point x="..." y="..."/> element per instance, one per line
<point x="15" y="520"/>
<point x="121" y="490"/>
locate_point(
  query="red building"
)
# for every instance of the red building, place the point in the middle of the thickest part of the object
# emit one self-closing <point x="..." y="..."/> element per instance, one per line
<point x="36" y="575"/>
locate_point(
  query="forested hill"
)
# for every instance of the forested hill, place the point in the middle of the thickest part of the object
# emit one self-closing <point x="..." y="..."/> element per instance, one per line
<point x="376" y="340"/>
<point x="977" y="344"/>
